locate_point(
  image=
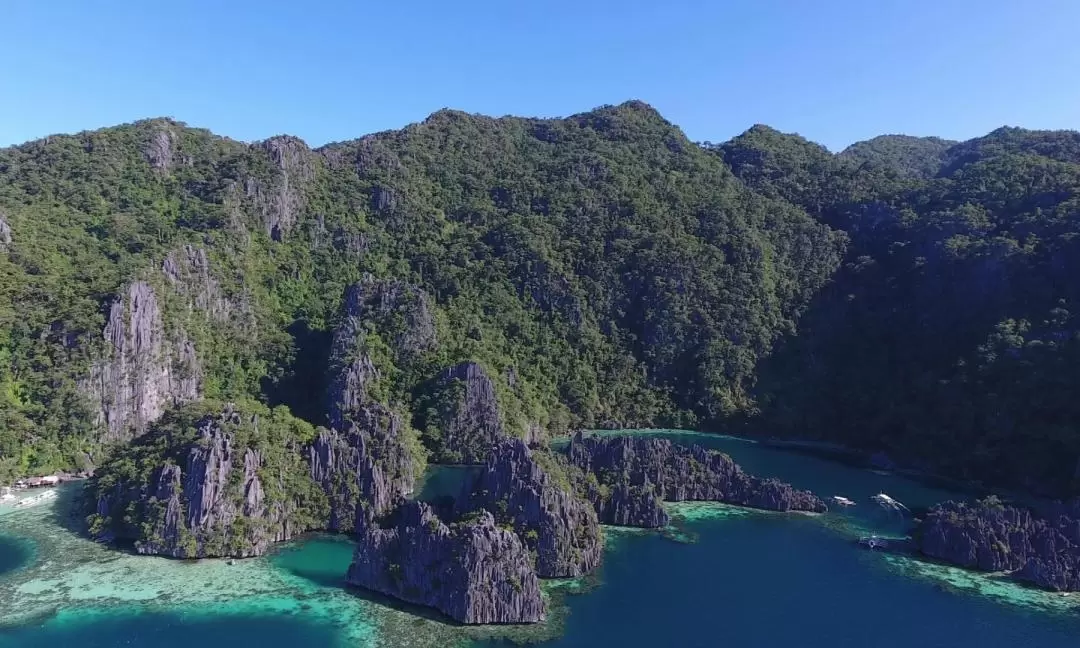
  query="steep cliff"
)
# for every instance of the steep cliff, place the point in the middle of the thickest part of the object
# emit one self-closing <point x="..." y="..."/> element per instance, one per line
<point x="987" y="535"/>
<point x="465" y="422"/>
<point x="145" y="369"/>
<point x="367" y="467"/>
<point x="377" y="315"/>
<point x="632" y="473"/>
<point x="472" y="571"/>
<point x="532" y="491"/>
<point x="210" y="481"/>
<point x="370" y="457"/>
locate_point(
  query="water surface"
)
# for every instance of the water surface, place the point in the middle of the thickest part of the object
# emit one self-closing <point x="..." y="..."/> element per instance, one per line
<point x="720" y="576"/>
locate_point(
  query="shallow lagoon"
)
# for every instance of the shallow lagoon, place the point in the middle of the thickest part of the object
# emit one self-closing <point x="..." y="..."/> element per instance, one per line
<point x="720" y="576"/>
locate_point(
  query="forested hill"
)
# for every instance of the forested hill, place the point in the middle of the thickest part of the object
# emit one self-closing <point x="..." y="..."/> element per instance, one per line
<point x="949" y="339"/>
<point x="908" y="295"/>
<point x="601" y="269"/>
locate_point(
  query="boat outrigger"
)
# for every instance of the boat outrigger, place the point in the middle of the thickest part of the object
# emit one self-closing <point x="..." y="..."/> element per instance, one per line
<point x="889" y="504"/>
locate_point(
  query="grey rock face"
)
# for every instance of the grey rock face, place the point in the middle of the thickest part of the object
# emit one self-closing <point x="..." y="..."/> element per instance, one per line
<point x="365" y="469"/>
<point x="469" y="421"/>
<point x="632" y="473"/>
<point x="1040" y="549"/>
<point x="159" y="149"/>
<point x="560" y="527"/>
<point x="144" y="371"/>
<point x="474" y="572"/>
<point x="188" y="272"/>
<point x="198" y="507"/>
<point x="5" y="234"/>
<point x="400" y="313"/>
<point x="281" y="200"/>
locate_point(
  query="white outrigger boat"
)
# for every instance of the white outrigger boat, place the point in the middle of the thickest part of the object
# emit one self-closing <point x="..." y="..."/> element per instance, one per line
<point x="889" y="504"/>
<point x="840" y="500"/>
<point x="36" y="499"/>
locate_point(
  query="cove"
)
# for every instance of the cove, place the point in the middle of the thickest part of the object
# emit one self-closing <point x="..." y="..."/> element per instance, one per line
<point x="720" y="576"/>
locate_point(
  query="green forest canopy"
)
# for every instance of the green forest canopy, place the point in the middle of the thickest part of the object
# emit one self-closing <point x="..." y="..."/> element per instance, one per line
<point x="908" y="295"/>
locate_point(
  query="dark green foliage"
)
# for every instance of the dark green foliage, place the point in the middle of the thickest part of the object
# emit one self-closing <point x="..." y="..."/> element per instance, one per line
<point x="909" y="157"/>
<point x="948" y="337"/>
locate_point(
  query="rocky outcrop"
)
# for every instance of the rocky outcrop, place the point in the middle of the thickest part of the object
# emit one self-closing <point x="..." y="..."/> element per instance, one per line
<point x="534" y="493"/>
<point x="400" y="314"/>
<point x="159" y="148"/>
<point x="364" y="469"/>
<point x="989" y="536"/>
<point x="474" y="572"/>
<point x="281" y="199"/>
<point x="188" y="271"/>
<point x="468" y="423"/>
<point x="626" y="504"/>
<point x="632" y="473"/>
<point x="144" y="370"/>
<point x="5" y="234"/>
<point x="212" y="505"/>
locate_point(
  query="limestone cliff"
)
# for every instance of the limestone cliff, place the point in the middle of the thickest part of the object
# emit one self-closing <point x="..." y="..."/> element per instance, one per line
<point x="5" y="234"/>
<point x="281" y="199"/>
<point x="195" y="490"/>
<point x="472" y="571"/>
<point x="1042" y="549"/>
<point x="399" y="314"/>
<point x="144" y="369"/>
<point x="188" y="272"/>
<point x="466" y="422"/>
<point x="532" y="492"/>
<point x="366" y="468"/>
<point x="632" y="473"/>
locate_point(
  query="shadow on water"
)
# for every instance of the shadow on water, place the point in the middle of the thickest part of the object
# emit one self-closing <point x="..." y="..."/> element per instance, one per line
<point x="301" y="383"/>
<point x="71" y="507"/>
<point x="15" y="554"/>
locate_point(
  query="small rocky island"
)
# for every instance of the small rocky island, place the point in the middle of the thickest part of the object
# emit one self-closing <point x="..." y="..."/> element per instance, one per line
<point x="1037" y="547"/>
<point x="628" y="477"/>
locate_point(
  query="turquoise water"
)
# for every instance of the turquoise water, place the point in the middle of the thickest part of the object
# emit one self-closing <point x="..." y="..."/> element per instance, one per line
<point x="15" y="553"/>
<point x="719" y="576"/>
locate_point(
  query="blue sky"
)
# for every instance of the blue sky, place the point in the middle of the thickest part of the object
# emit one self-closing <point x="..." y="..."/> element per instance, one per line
<point x="836" y="71"/>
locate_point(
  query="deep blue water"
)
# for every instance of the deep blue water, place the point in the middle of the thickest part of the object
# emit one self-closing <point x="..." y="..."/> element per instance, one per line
<point x="15" y="553"/>
<point x="770" y="581"/>
<point x="747" y="581"/>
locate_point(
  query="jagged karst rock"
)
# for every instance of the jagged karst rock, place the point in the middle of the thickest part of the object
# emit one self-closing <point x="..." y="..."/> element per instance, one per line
<point x="280" y="200"/>
<point x="144" y="369"/>
<point x="206" y="500"/>
<point x="384" y="199"/>
<point x="989" y="536"/>
<point x="188" y="271"/>
<point x="365" y="469"/>
<point x="468" y="422"/>
<point x="474" y="571"/>
<point x="159" y="148"/>
<point x="633" y="473"/>
<point x="399" y="313"/>
<point x="5" y="233"/>
<point x="540" y="502"/>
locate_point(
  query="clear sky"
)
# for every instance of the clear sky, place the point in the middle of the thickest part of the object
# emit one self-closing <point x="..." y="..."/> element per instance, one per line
<point x="836" y="71"/>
